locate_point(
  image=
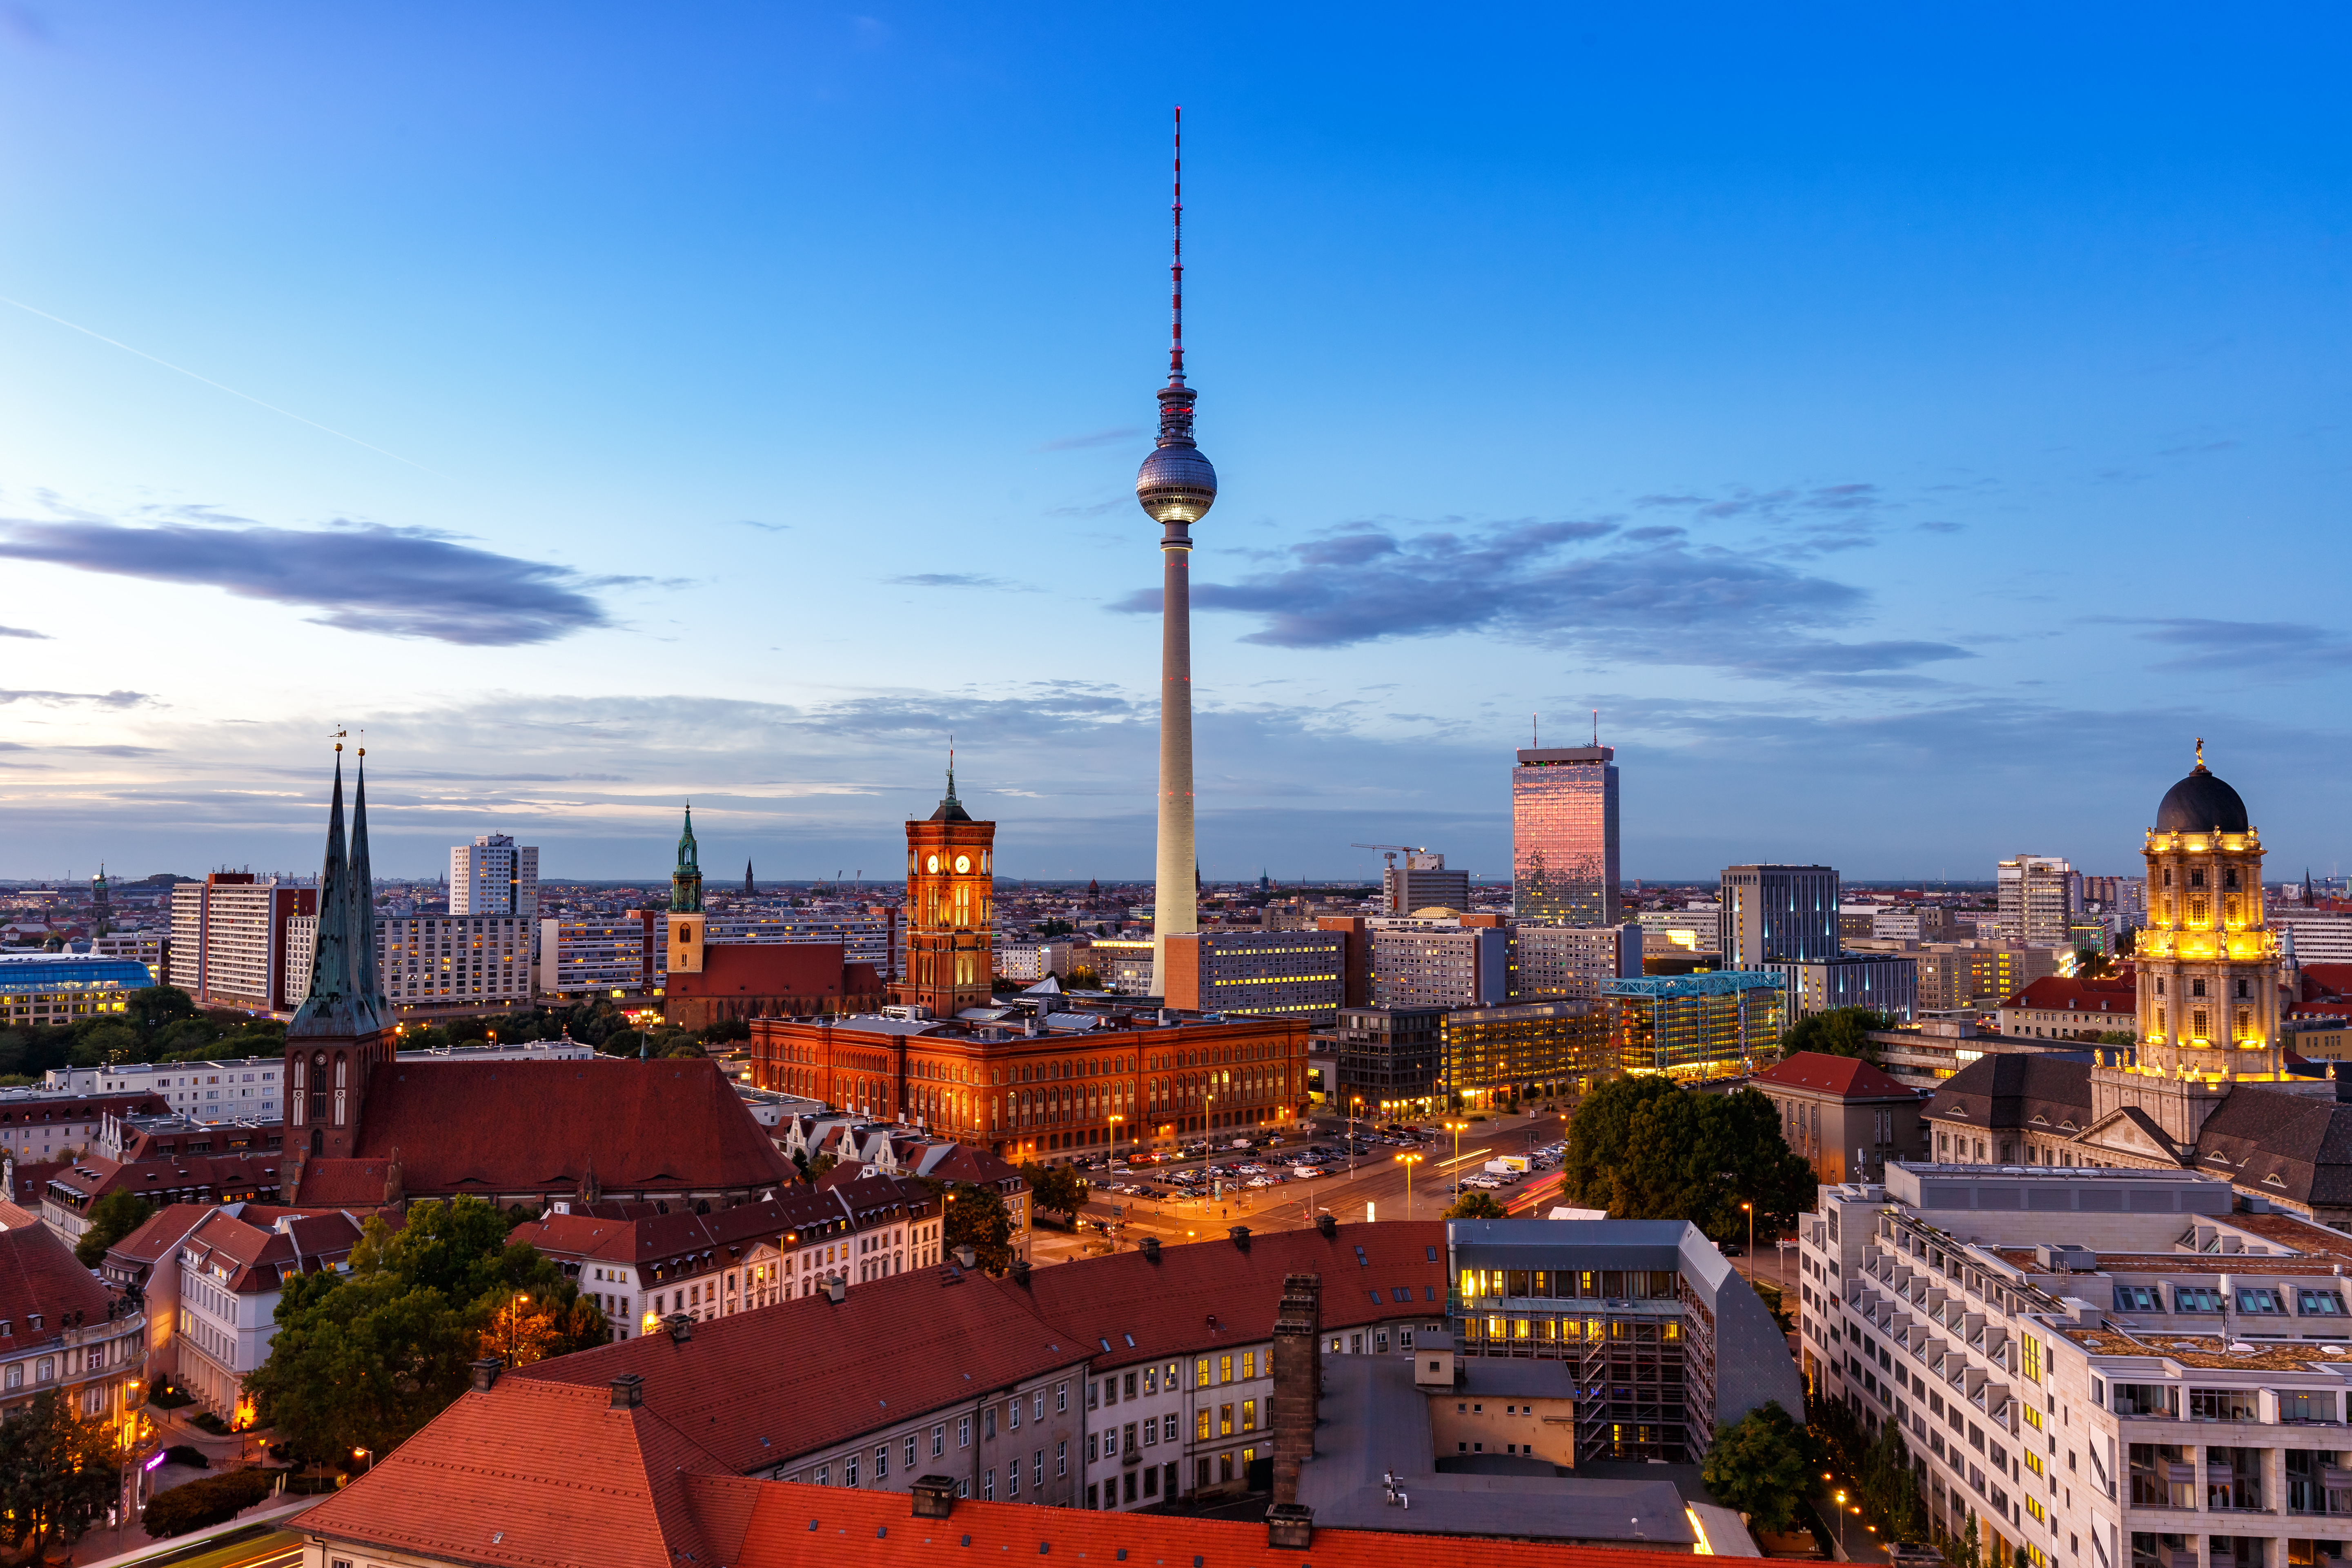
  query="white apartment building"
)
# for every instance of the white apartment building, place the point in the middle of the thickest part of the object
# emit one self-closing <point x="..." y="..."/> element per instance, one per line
<point x="1438" y="963"/>
<point x="1575" y="961"/>
<point x="216" y="1289"/>
<point x="456" y="960"/>
<point x="2321" y="936"/>
<point x="2039" y="897"/>
<point x="230" y="941"/>
<point x="243" y="1089"/>
<point x="612" y="954"/>
<point x="147" y="947"/>
<point x="494" y="876"/>
<point x="2110" y="1368"/>
<point x="1696" y="927"/>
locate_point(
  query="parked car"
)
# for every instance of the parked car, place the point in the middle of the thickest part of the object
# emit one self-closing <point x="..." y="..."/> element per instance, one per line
<point x="1305" y="1172"/>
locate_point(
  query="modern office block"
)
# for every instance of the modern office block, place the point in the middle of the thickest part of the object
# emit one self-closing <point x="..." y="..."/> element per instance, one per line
<point x="1696" y="1026"/>
<point x="1564" y="836"/>
<point x="1778" y="912"/>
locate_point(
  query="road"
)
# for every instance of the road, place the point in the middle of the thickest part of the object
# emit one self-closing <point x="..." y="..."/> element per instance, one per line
<point x="1377" y="1180"/>
<point x="273" y="1547"/>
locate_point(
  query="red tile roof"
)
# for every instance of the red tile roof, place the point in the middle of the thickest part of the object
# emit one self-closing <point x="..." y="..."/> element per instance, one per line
<point x="1848" y="1077"/>
<point x="625" y="1236"/>
<point x="2053" y="990"/>
<point x="666" y="1126"/>
<point x="1208" y="1293"/>
<point x="78" y="1108"/>
<point x="344" y="1183"/>
<point x="756" y="1388"/>
<point x="2321" y="980"/>
<point x="534" y="1475"/>
<point x="214" y="1177"/>
<point x="38" y="1274"/>
<point x="253" y="1252"/>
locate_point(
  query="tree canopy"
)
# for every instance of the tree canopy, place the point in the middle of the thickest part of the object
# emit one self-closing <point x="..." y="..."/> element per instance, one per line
<point x="1059" y="1188"/>
<point x="977" y="1219"/>
<point x="362" y="1360"/>
<point x="1761" y="1464"/>
<point x="1476" y="1205"/>
<point x="57" y="1473"/>
<point x="1645" y="1148"/>
<point x="1840" y="1032"/>
<point x="114" y="1216"/>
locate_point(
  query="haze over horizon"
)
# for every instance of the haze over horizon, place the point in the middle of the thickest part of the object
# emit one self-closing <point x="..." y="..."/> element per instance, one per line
<point x="731" y="406"/>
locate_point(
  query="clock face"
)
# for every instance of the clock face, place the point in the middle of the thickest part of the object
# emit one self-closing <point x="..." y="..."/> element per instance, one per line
<point x="963" y="863"/>
<point x="933" y="866"/>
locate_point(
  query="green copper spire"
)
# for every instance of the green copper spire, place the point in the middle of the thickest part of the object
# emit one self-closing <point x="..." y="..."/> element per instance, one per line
<point x="686" y="882"/>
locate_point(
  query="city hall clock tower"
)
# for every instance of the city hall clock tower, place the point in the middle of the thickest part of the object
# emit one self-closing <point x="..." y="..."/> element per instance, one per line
<point x="950" y="909"/>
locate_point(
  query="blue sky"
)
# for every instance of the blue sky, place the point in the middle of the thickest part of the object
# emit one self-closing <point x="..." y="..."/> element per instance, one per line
<point x="1909" y="430"/>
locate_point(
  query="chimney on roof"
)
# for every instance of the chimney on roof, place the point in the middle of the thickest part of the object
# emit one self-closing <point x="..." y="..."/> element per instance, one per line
<point x="628" y="1391"/>
<point x="966" y="1258"/>
<point x="1150" y="1247"/>
<point x="1240" y="1233"/>
<point x="934" y="1496"/>
<point x="681" y="1327"/>
<point x="1297" y="1369"/>
<point x="1290" y="1524"/>
<point x="1327" y="1224"/>
<point x="837" y="1290"/>
<point x="485" y="1373"/>
<point x="1021" y="1271"/>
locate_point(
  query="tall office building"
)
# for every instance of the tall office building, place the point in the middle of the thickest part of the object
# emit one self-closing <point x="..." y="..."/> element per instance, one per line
<point x="1564" y="836"/>
<point x="1423" y="882"/>
<point x="1574" y="961"/>
<point x="494" y="876"/>
<point x="2039" y="896"/>
<point x="1778" y="914"/>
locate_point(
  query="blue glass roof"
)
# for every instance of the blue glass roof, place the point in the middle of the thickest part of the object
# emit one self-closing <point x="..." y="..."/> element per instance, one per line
<point x="62" y="972"/>
<point x="1711" y="984"/>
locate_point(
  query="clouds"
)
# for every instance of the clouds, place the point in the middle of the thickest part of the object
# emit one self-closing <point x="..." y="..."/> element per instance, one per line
<point x="21" y="632"/>
<point x="95" y="698"/>
<point x="956" y="580"/>
<point x="2285" y="648"/>
<point x="365" y="577"/>
<point x="1573" y="583"/>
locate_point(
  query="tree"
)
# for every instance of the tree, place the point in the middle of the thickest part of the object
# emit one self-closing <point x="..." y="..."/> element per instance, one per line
<point x="1055" y="1187"/>
<point x="1476" y="1205"/>
<point x="115" y="1216"/>
<point x="1840" y="1032"/>
<point x="977" y="1219"/>
<point x="2089" y="963"/>
<point x="1759" y="1465"/>
<point x="57" y="1473"/>
<point x="1644" y="1148"/>
<point x="361" y="1361"/>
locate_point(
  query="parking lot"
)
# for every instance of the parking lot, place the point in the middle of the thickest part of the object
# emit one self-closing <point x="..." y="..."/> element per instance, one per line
<point x="1196" y="1191"/>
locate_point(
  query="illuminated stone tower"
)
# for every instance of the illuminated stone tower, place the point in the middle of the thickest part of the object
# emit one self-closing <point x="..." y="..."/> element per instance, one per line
<point x="1175" y="487"/>
<point x="2207" y="971"/>
<point x="950" y="909"/>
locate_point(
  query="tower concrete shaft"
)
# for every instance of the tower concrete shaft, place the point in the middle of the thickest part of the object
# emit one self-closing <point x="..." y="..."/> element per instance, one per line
<point x="1175" y="904"/>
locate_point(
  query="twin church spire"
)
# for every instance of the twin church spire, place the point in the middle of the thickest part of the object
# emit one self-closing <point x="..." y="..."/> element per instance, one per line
<point x="346" y="993"/>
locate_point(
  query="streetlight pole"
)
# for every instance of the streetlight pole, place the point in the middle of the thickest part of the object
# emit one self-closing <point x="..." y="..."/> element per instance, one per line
<point x="1115" y="1120"/>
<point x="1408" y="1162"/>
<point x="1355" y="1104"/>
<point x="1457" y="1129"/>
<point x="1752" y="1239"/>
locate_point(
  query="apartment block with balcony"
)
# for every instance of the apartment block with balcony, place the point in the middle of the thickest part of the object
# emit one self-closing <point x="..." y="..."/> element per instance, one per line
<point x="2105" y="1368"/>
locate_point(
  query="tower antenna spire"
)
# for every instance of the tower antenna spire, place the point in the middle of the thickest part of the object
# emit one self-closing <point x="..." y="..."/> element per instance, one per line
<point x="1596" y="726"/>
<point x="1176" y="263"/>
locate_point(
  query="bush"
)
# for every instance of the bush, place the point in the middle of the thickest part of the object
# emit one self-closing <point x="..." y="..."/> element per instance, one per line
<point x="164" y="1396"/>
<point x="216" y="1500"/>
<point x="205" y="1420"/>
<point x="183" y="1454"/>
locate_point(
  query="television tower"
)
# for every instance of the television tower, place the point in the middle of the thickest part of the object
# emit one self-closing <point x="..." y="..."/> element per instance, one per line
<point x="1175" y="487"/>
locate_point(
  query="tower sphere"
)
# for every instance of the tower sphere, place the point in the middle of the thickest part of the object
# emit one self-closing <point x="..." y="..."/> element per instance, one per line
<point x="1176" y="484"/>
<point x="2200" y="804"/>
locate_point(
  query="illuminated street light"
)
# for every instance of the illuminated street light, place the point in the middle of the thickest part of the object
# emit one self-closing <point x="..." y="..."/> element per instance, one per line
<point x="1408" y="1162"/>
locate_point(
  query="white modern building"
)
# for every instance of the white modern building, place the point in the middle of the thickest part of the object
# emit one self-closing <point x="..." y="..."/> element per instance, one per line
<point x="2039" y="897"/>
<point x="2109" y="1368"/>
<point x="230" y="941"/>
<point x="2321" y="936"/>
<point x="1576" y="962"/>
<point x="494" y="876"/>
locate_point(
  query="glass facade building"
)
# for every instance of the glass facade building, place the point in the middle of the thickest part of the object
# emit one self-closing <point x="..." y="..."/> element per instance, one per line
<point x="1778" y="913"/>
<point x="1495" y="1056"/>
<point x="1564" y="836"/>
<point x="1696" y="1026"/>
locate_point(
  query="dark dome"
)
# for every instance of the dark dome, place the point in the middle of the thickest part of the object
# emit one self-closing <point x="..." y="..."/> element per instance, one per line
<point x="2200" y="804"/>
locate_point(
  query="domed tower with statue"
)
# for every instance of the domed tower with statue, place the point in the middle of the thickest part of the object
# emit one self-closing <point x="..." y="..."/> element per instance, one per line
<point x="2208" y="975"/>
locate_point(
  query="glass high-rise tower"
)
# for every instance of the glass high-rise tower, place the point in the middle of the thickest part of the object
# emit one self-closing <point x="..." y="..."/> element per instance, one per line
<point x="1564" y="836"/>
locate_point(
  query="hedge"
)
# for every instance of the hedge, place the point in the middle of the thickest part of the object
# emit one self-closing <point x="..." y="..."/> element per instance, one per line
<point x="188" y="1455"/>
<point x="214" y="1499"/>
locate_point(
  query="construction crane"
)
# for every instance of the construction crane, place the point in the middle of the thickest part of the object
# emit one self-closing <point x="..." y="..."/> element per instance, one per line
<point x="1393" y="850"/>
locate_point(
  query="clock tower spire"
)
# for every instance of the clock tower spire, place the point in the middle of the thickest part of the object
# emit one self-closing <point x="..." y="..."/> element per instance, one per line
<point x="950" y="908"/>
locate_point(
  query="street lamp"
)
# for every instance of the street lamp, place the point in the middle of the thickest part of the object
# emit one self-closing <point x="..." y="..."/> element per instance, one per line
<point x="1355" y="1104"/>
<point x="1408" y="1162"/>
<point x="1114" y="1135"/>
<point x="1752" y="1239"/>
<point x="1457" y="1129"/>
<point x="514" y="1314"/>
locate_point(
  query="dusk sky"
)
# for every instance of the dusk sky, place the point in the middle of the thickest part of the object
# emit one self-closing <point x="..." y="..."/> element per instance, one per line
<point x="1909" y="429"/>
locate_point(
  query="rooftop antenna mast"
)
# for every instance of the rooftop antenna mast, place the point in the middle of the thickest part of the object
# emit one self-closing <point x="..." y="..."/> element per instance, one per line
<point x="1596" y="726"/>
<point x="1176" y="264"/>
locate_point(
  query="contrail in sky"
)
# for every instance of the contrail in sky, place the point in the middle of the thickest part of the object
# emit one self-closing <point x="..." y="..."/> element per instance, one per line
<point x="232" y="391"/>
